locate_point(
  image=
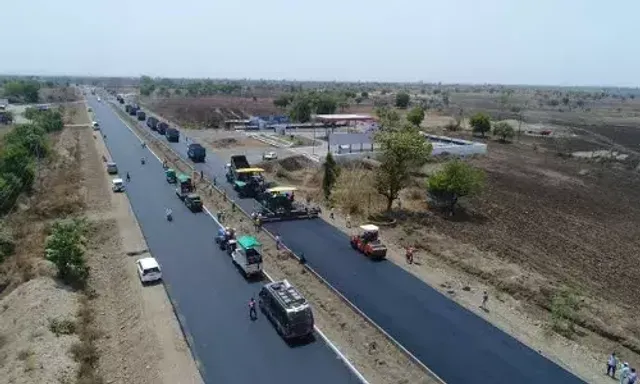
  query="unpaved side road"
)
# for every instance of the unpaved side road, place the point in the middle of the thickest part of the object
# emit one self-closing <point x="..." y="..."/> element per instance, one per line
<point x="141" y="341"/>
<point x="373" y="354"/>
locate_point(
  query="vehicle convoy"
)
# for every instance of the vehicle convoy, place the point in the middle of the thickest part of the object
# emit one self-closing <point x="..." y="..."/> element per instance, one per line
<point x="133" y="110"/>
<point x="279" y="204"/>
<point x="141" y="115"/>
<point x="247" y="256"/>
<point x="246" y="180"/>
<point x="196" y="153"/>
<point x="152" y="122"/>
<point x="172" y="135"/>
<point x="161" y="127"/>
<point x="287" y="309"/>
<point x="170" y="175"/>
<point x="368" y="242"/>
<point x="185" y="186"/>
<point x="193" y="202"/>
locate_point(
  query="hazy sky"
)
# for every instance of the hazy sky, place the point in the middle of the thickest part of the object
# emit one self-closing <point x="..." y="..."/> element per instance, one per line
<point x="556" y="42"/>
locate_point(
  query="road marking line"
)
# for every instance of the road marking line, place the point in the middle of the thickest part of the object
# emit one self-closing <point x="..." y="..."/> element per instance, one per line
<point x="335" y="349"/>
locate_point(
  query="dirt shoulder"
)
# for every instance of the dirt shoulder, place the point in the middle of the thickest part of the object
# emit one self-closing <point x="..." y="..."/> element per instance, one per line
<point x="143" y="342"/>
<point x="368" y="349"/>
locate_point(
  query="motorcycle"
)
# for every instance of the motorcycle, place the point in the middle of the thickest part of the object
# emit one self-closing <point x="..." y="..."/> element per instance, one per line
<point x="169" y="215"/>
<point x="142" y="161"/>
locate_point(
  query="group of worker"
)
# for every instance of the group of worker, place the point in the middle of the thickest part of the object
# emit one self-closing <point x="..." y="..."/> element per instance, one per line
<point x="628" y="375"/>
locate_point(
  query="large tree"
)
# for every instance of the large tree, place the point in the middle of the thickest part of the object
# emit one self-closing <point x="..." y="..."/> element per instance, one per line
<point x="504" y="130"/>
<point x="402" y="99"/>
<point x="481" y="123"/>
<point x="415" y="116"/>
<point x="457" y="179"/>
<point x="404" y="149"/>
<point x="330" y="176"/>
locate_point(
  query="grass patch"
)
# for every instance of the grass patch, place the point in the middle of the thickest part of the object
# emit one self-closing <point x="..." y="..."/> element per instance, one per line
<point x="85" y="351"/>
<point x="565" y="305"/>
<point x="62" y="327"/>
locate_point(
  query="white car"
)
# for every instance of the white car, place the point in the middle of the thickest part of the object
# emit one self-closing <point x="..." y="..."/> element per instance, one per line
<point x="96" y="126"/>
<point x="117" y="185"/>
<point x="269" y="156"/>
<point x="148" y="270"/>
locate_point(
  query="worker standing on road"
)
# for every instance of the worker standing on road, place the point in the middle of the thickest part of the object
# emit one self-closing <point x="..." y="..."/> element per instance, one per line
<point x="256" y="223"/>
<point x="409" y="254"/>
<point x="278" y="242"/>
<point x="348" y="219"/>
<point x="633" y="377"/>
<point x="253" y="314"/>
<point x="624" y="373"/>
<point x="201" y="175"/>
<point x="612" y="363"/>
<point x="485" y="300"/>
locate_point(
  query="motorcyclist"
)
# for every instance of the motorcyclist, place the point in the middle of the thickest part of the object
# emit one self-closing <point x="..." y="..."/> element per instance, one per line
<point x="168" y="213"/>
<point x="128" y="177"/>
<point x="144" y="145"/>
<point x="142" y="160"/>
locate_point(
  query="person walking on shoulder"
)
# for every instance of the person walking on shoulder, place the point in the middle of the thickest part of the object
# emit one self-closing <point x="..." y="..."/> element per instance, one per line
<point x="633" y="377"/>
<point x="624" y="373"/>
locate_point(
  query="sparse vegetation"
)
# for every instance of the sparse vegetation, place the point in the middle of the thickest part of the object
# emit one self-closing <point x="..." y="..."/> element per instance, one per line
<point x="415" y="116"/>
<point x="62" y="327"/>
<point x="564" y="309"/>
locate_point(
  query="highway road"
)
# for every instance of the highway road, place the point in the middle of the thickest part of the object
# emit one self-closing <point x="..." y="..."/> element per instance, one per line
<point x="210" y="295"/>
<point x="452" y="341"/>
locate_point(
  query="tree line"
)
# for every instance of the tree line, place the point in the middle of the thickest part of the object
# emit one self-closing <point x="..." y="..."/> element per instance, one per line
<point x="20" y="151"/>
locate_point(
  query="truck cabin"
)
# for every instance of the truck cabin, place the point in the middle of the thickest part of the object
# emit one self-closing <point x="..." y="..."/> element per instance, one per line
<point x="369" y="233"/>
<point x="185" y="183"/>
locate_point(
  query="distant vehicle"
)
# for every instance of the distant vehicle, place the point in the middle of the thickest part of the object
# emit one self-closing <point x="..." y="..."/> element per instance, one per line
<point x="247" y="255"/>
<point x="269" y="155"/>
<point x="193" y="202"/>
<point x="162" y="127"/>
<point x="112" y="168"/>
<point x="172" y="135"/>
<point x="148" y="270"/>
<point x="197" y="153"/>
<point x="98" y="99"/>
<point x="89" y="109"/>
<point x="184" y="186"/>
<point x="141" y="115"/>
<point x="117" y="185"/>
<point x="287" y="309"/>
<point x="96" y="126"/>
<point x="152" y="123"/>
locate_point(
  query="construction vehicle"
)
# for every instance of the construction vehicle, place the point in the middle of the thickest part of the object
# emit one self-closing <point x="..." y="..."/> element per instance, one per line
<point x="170" y="175"/>
<point x="133" y="110"/>
<point x="172" y="135"/>
<point x="197" y="153"/>
<point x="226" y="239"/>
<point x="246" y="180"/>
<point x="368" y="242"/>
<point x="161" y="127"/>
<point x="141" y="115"/>
<point x="193" y="202"/>
<point x="279" y="204"/>
<point x="247" y="256"/>
<point x="184" y="186"/>
<point x="152" y="123"/>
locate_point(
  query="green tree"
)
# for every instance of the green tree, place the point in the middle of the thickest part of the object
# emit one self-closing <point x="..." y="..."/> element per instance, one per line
<point x="388" y="117"/>
<point x="365" y="94"/>
<point x="22" y="91"/>
<point x="415" y="116"/>
<point x="480" y="123"/>
<point x="301" y="109"/>
<point x="283" y="101"/>
<point x="324" y="103"/>
<point x="402" y="99"/>
<point x="504" y="130"/>
<point x="458" y="179"/>
<point x="65" y="248"/>
<point x="330" y="176"/>
<point x="403" y="150"/>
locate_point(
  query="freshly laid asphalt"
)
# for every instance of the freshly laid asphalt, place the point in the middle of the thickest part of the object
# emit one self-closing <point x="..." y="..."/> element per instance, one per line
<point x="456" y="344"/>
<point x="210" y="295"/>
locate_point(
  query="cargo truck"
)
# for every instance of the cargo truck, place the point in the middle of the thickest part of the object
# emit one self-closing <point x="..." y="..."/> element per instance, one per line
<point x="152" y="123"/>
<point x="161" y="127"/>
<point x="141" y="115"/>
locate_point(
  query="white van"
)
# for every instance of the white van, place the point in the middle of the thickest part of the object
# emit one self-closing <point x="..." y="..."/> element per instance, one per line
<point x="247" y="255"/>
<point x="148" y="270"/>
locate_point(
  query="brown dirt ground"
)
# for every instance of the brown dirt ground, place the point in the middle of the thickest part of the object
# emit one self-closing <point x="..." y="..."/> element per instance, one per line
<point x="543" y="222"/>
<point x="374" y="355"/>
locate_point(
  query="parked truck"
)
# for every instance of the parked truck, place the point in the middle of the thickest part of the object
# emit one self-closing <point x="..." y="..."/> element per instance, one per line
<point x="197" y="153"/>
<point x="141" y="115"/>
<point x="133" y="110"/>
<point x="161" y="127"/>
<point x="172" y="135"/>
<point x="152" y="123"/>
